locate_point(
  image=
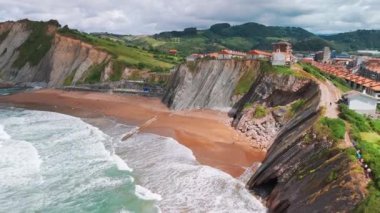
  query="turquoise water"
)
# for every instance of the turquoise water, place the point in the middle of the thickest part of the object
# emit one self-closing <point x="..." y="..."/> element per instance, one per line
<point x="51" y="162"/>
<point x="8" y="91"/>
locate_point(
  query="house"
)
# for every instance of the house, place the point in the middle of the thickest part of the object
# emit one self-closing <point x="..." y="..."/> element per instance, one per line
<point x="361" y="102"/>
<point x="279" y="59"/>
<point x="258" y="54"/>
<point x="282" y="53"/>
<point x="173" y="52"/>
<point x="370" y="69"/>
<point x="231" y="54"/>
<point x="194" y="57"/>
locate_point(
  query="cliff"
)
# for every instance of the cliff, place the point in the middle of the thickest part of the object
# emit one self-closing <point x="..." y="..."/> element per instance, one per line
<point x="44" y="52"/>
<point x="304" y="170"/>
<point x="206" y="84"/>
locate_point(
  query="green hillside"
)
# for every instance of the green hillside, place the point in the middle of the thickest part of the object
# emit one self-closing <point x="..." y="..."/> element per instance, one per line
<point x="250" y="36"/>
<point x="130" y="56"/>
<point x="240" y="37"/>
<point x="360" y="39"/>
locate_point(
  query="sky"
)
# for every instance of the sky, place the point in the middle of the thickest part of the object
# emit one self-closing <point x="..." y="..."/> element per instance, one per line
<point x="154" y="16"/>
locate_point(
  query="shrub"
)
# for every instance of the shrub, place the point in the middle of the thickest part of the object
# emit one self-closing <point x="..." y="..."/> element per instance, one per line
<point x="337" y="127"/>
<point x="36" y="45"/>
<point x="94" y="73"/>
<point x="357" y="121"/>
<point x="297" y="106"/>
<point x="260" y="112"/>
<point x="117" y="68"/>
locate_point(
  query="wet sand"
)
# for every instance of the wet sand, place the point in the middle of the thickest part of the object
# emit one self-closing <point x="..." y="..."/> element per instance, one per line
<point x="203" y="131"/>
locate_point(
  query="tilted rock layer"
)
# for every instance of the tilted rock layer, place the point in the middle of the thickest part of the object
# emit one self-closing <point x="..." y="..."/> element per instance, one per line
<point x="65" y="57"/>
<point x="206" y="84"/>
<point x="301" y="172"/>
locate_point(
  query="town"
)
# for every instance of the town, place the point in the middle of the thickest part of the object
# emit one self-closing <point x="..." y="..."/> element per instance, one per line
<point x="360" y="71"/>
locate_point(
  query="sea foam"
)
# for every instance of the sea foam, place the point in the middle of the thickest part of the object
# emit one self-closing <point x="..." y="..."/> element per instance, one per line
<point x="171" y="169"/>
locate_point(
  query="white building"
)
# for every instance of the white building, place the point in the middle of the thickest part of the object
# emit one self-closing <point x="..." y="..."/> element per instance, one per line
<point x="279" y="59"/>
<point x="362" y="103"/>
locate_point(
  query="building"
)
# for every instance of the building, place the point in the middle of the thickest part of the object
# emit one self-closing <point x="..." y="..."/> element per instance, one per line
<point x="318" y="56"/>
<point x="279" y="59"/>
<point x="258" y="54"/>
<point x="173" y="52"/>
<point x="326" y="55"/>
<point x="370" y="69"/>
<point x="193" y="57"/>
<point x="231" y="54"/>
<point x="282" y="53"/>
<point x="368" y="52"/>
<point x="361" y="102"/>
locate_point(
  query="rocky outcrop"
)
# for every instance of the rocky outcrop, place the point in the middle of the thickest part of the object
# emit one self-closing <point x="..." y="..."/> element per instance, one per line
<point x="274" y="92"/>
<point x="206" y="83"/>
<point x="302" y="172"/>
<point x="66" y="56"/>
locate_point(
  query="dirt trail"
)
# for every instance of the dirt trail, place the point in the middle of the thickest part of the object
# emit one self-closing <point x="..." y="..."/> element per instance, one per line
<point x="330" y="95"/>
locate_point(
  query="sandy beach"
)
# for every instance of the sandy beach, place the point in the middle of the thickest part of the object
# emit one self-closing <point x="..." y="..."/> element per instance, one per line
<point x="203" y="131"/>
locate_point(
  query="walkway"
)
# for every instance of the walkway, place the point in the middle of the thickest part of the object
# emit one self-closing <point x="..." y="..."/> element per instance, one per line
<point x="330" y="95"/>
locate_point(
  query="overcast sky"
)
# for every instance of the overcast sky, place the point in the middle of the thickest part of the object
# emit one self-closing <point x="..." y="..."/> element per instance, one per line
<point x="152" y="16"/>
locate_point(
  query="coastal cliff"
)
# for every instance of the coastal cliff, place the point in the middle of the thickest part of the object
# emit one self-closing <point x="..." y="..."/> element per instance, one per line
<point x="304" y="170"/>
<point x="58" y="56"/>
<point x="207" y="84"/>
<point x="49" y="55"/>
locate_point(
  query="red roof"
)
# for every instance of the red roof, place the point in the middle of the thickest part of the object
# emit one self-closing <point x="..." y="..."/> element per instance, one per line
<point x="259" y="52"/>
<point x="343" y="73"/>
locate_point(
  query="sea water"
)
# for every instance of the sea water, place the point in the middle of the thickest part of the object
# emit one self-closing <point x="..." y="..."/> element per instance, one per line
<point x="50" y="162"/>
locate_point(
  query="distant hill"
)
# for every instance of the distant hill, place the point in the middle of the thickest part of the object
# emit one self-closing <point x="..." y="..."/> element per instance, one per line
<point x="351" y="41"/>
<point x="251" y="36"/>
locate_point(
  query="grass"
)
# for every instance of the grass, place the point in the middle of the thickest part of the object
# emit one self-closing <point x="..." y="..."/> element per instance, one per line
<point x="245" y="82"/>
<point x="131" y="56"/>
<point x="297" y="106"/>
<point x="260" y="112"/>
<point x="283" y="70"/>
<point x="365" y="132"/>
<point x="36" y="45"/>
<point x="371" y="137"/>
<point x="336" y="126"/>
<point x="375" y="124"/>
<point x="94" y="73"/>
<point x="118" y="68"/>
<point x="317" y="73"/>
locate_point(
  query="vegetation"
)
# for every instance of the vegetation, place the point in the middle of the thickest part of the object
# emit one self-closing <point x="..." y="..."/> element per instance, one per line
<point x="3" y="36"/>
<point x="245" y="82"/>
<point x="253" y="36"/>
<point x="118" y="68"/>
<point x="364" y="131"/>
<point x="132" y="57"/>
<point x="94" y="73"/>
<point x="336" y="126"/>
<point x="338" y="82"/>
<point x="36" y="45"/>
<point x="297" y="105"/>
<point x="260" y="112"/>
<point x="351" y="41"/>
<point x="69" y="79"/>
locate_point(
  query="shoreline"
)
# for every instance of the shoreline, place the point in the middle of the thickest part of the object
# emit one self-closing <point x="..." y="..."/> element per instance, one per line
<point x="203" y="131"/>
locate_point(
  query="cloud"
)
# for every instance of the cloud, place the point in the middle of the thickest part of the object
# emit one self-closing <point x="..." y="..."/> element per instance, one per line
<point x="152" y="16"/>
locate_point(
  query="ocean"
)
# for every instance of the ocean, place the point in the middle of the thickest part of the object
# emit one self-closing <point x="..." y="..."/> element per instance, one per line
<point x="50" y="162"/>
